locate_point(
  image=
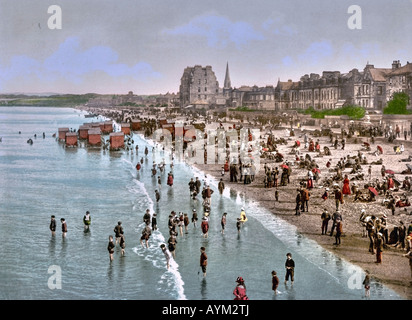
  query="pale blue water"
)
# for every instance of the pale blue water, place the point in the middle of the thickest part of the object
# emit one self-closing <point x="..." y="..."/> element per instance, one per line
<point x="45" y="178"/>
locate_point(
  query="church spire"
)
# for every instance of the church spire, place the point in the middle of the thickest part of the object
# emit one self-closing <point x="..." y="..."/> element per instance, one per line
<point x="227" y="83"/>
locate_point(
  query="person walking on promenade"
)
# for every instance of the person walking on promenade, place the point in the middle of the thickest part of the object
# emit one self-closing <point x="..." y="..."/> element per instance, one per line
<point x="53" y="225"/>
<point x="335" y="216"/>
<point x="290" y="268"/>
<point x="223" y="222"/>
<point x="339" y="230"/>
<point x="240" y="290"/>
<point x="64" y="227"/>
<point x="118" y="231"/>
<point x="203" y="260"/>
<point x="275" y="282"/>
<point x="325" y="221"/>
<point x="110" y="248"/>
<point x="87" y="221"/>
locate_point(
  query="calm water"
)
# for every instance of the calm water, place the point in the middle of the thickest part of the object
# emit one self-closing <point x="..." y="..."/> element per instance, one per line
<point x="45" y="178"/>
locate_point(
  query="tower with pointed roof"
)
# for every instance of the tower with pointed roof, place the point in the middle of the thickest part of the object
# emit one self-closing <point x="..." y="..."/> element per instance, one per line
<point x="227" y="86"/>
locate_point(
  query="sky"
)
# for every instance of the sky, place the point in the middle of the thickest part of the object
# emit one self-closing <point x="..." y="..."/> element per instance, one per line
<point x="113" y="47"/>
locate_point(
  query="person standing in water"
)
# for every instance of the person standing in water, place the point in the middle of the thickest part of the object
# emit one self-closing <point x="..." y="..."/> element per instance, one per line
<point x="87" y="220"/>
<point x="147" y="231"/>
<point x="223" y="222"/>
<point x="110" y="248"/>
<point x="238" y="225"/>
<point x="157" y="194"/>
<point x="366" y="284"/>
<point x="118" y="231"/>
<point x="154" y="221"/>
<point x="240" y="290"/>
<point x="275" y="282"/>
<point x="122" y="244"/>
<point x="186" y="222"/>
<point x="290" y="268"/>
<point x="53" y="225"/>
<point x="243" y="217"/>
<point x="166" y="254"/>
<point x="205" y="227"/>
<point x="203" y="260"/>
<point x="194" y="217"/>
<point x="64" y="227"/>
<point x="221" y="186"/>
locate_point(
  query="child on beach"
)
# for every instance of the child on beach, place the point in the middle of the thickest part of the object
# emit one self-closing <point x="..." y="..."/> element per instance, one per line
<point x="166" y="254"/>
<point x="64" y="227"/>
<point x="52" y="225"/>
<point x="110" y="248"/>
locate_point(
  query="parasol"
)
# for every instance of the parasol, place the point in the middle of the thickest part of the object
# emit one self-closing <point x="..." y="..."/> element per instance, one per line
<point x="373" y="190"/>
<point x="284" y="166"/>
<point x="380" y="149"/>
<point x="389" y="172"/>
<point x="366" y="144"/>
<point x="314" y="170"/>
<point x="409" y="166"/>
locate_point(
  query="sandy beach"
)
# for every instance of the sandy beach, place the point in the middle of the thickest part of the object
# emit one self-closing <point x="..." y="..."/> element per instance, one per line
<point x="394" y="270"/>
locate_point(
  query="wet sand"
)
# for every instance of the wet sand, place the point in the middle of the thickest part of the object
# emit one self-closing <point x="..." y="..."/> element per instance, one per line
<point x="394" y="270"/>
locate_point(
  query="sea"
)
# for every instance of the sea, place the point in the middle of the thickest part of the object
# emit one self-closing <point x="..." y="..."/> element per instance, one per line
<point x="47" y="178"/>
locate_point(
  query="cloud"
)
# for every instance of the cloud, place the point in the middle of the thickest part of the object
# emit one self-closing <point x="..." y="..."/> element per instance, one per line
<point x="218" y="30"/>
<point x="72" y="64"/>
<point x="316" y="53"/>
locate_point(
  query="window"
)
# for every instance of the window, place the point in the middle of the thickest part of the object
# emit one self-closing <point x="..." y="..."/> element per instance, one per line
<point x="205" y="89"/>
<point x="380" y="90"/>
<point x="198" y="89"/>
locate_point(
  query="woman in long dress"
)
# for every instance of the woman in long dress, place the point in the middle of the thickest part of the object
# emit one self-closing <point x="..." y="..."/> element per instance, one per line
<point x="346" y="187"/>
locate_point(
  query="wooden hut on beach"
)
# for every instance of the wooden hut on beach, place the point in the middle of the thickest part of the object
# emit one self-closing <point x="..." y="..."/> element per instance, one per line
<point x="116" y="140"/>
<point x="125" y="127"/>
<point x="62" y="133"/>
<point x="71" y="139"/>
<point x="95" y="137"/>
<point x="84" y="131"/>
